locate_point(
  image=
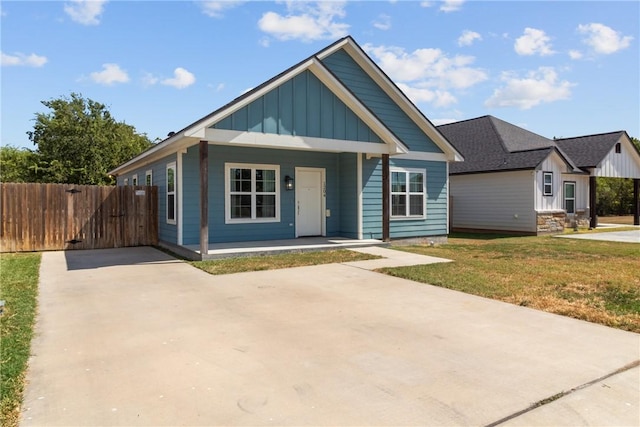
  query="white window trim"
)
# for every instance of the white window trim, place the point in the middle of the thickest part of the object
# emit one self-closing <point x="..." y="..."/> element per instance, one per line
<point x="408" y="193"/>
<point x="227" y="193"/>
<point x="172" y="221"/>
<point x="134" y="179"/>
<point x="544" y="184"/>
<point x="148" y="173"/>
<point x="126" y="181"/>
<point x="564" y="187"/>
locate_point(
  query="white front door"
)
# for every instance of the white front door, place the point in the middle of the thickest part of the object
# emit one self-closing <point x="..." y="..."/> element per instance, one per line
<point x="309" y="202"/>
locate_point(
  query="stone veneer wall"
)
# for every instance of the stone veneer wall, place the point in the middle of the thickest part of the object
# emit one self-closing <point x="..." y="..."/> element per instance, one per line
<point x="579" y="220"/>
<point x="551" y="222"/>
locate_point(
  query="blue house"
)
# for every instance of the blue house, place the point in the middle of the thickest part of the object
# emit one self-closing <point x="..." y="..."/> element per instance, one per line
<point x="330" y="147"/>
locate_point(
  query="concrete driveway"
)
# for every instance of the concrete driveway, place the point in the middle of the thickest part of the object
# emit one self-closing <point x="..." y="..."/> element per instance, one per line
<point x="630" y="236"/>
<point x="134" y="337"/>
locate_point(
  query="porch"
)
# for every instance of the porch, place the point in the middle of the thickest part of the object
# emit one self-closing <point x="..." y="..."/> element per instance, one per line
<point x="269" y="247"/>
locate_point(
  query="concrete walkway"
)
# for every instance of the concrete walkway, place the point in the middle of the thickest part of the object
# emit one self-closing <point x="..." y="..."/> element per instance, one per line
<point x="631" y="236"/>
<point x="134" y="337"/>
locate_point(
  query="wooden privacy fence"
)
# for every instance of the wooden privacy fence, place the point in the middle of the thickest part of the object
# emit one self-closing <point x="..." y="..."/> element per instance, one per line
<point x="40" y="217"/>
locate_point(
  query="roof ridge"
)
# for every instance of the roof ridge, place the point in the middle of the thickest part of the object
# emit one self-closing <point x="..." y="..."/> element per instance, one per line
<point x="590" y="135"/>
<point x="465" y="120"/>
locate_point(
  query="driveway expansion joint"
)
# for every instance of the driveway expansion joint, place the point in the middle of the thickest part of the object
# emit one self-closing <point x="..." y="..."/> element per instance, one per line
<point x="562" y="394"/>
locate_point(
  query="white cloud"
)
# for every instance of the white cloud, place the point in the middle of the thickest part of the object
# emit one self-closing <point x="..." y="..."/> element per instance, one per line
<point x="427" y="75"/>
<point x="539" y="86"/>
<point x="383" y="22"/>
<point x="149" y="80"/>
<point x="216" y="9"/>
<point x="468" y="37"/>
<point x="451" y="5"/>
<point x="602" y="39"/>
<point x="85" y="12"/>
<point x="426" y="3"/>
<point x="20" y="59"/>
<point x="443" y="121"/>
<point x="575" y="54"/>
<point x="532" y="42"/>
<point x="306" y="21"/>
<point x="181" y="79"/>
<point x="111" y="73"/>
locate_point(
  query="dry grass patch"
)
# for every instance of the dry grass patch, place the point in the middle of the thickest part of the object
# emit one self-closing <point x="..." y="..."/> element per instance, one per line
<point x="590" y="280"/>
<point x="274" y="262"/>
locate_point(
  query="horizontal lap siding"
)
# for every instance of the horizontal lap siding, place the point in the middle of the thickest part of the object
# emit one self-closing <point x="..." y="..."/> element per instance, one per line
<point x="166" y="232"/>
<point x="348" y="195"/>
<point x="302" y="106"/>
<point x="436" y="201"/>
<point x="494" y="201"/>
<point x="374" y="98"/>
<point x="288" y="161"/>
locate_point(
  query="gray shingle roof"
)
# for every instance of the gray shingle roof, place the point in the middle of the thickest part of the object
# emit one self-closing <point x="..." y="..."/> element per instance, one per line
<point x="489" y="144"/>
<point x="587" y="151"/>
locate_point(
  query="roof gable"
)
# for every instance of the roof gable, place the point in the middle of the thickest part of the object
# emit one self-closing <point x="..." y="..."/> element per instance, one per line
<point x="301" y="106"/>
<point x="589" y="150"/>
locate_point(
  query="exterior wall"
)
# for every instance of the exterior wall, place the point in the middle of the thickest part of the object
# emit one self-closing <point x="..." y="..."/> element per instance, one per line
<point x="166" y="232"/>
<point x="555" y="202"/>
<point x="435" y="223"/>
<point x="347" y="183"/>
<point x="302" y="106"/>
<point x="288" y="161"/>
<point x="493" y="201"/>
<point x="376" y="100"/>
<point x="550" y="222"/>
<point x="582" y="214"/>
<point x="625" y="164"/>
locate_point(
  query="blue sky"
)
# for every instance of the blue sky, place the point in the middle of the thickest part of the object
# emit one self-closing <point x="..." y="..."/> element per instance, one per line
<point x="556" y="68"/>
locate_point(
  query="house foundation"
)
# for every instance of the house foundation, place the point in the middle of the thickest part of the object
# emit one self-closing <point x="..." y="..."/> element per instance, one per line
<point x="550" y="222"/>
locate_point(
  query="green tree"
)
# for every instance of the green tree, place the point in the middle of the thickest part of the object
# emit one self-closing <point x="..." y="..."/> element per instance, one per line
<point x="615" y="195"/>
<point x="79" y="141"/>
<point x="18" y="164"/>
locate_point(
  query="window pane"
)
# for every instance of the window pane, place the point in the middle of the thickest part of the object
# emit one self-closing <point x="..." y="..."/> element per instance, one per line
<point x="240" y="206"/>
<point x="570" y="206"/>
<point x="416" y="181"/>
<point x="398" y="205"/>
<point x="171" y="207"/>
<point x="398" y="182"/>
<point x="170" y="180"/>
<point x="265" y="180"/>
<point x="416" y="205"/>
<point x="265" y="206"/>
<point x="241" y="180"/>
<point x="148" y="180"/>
<point x="547" y="178"/>
<point x="569" y="191"/>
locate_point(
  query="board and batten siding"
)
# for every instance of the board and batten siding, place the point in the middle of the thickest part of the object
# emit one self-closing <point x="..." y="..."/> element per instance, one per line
<point x="302" y="106"/>
<point x="347" y="184"/>
<point x="435" y="223"/>
<point x="493" y="201"/>
<point x="625" y="164"/>
<point x="582" y="190"/>
<point x="376" y="100"/>
<point x="166" y="232"/>
<point x="553" y="163"/>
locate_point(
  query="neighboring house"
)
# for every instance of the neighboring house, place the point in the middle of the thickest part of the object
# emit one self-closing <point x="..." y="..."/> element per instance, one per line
<point x="517" y="181"/>
<point x="330" y="147"/>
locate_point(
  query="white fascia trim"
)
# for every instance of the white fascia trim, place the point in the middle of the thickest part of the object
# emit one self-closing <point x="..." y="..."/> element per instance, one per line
<point x="160" y="151"/>
<point x="199" y="130"/>
<point x="272" y="140"/>
<point x="396" y="95"/>
<point x="420" y="155"/>
<point x="362" y="112"/>
<point x="359" y="194"/>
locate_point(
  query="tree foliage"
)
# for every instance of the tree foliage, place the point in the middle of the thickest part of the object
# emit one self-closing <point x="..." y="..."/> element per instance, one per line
<point x="17" y="164"/>
<point x="615" y="195"/>
<point x="78" y="142"/>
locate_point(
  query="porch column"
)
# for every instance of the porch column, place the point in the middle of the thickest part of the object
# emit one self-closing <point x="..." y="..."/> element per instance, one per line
<point x="385" y="198"/>
<point x="636" y="201"/>
<point x="204" y="198"/>
<point x="592" y="202"/>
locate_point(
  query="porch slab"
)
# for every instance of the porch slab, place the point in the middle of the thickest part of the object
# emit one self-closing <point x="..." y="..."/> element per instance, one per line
<point x="272" y="247"/>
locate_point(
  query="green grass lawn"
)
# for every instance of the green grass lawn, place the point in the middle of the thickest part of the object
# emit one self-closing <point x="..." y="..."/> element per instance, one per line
<point x="273" y="262"/>
<point x="590" y="280"/>
<point x="19" y="290"/>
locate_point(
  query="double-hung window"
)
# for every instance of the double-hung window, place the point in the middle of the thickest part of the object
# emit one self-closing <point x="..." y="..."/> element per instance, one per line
<point x="547" y="183"/>
<point x="134" y="180"/>
<point x="408" y="193"/>
<point x="570" y="197"/>
<point x="252" y="193"/>
<point x="171" y="193"/>
<point x="148" y="177"/>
